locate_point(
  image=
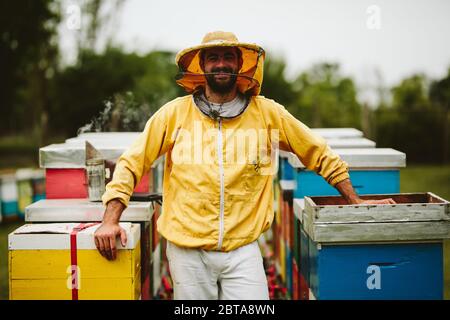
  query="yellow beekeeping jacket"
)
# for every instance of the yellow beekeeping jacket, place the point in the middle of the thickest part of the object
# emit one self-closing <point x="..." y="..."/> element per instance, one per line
<point x="217" y="189"/>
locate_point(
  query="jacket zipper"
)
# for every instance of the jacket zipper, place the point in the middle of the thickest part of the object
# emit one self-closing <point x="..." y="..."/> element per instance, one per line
<point x="222" y="187"/>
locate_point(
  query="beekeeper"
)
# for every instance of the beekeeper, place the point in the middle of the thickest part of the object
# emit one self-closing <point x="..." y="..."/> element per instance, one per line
<point x="220" y="143"/>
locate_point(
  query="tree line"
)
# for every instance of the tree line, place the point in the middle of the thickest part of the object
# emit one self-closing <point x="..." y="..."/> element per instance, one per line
<point x="115" y="90"/>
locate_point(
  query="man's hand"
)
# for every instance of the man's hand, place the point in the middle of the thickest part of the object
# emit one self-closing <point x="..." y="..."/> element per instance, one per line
<point x="105" y="236"/>
<point x="105" y="239"/>
<point x="379" y="201"/>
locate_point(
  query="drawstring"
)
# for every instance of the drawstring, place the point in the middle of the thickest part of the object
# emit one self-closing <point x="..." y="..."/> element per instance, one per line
<point x="215" y="114"/>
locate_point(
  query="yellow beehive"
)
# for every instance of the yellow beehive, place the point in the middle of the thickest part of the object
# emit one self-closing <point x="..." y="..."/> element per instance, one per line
<point x="51" y="261"/>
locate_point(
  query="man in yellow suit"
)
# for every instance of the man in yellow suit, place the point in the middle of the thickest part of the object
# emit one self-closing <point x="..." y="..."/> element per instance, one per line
<point x="219" y="143"/>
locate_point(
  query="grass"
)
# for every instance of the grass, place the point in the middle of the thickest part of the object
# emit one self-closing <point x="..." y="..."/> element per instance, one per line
<point x="414" y="178"/>
<point x="19" y="151"/>
<point x="426" y="178"/>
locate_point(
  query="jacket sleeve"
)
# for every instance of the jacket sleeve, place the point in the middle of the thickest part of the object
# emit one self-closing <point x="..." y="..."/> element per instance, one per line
<point x="133" y="163"/>
<point x="312" y="150"/>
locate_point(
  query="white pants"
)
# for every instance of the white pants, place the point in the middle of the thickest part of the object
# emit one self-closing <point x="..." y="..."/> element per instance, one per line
<point x="210" y="275"/>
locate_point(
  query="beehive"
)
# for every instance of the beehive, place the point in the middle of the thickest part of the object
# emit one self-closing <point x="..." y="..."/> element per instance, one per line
<point x="65" y="162"/>
<point x="287" y="171"/>
<point x="397" y="251"/>
<point x="83" y="210"/>
<point x="24" y="180"/>
<point x="372" y="171"/>
<point x="9" y="197"/>
<point x="55" y="261"/>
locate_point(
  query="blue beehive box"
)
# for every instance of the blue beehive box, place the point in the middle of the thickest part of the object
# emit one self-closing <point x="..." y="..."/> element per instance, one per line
<point x="9" y="197"/>
<point x="287" y="171"/>
<point x="374" y="251"/>
<point x="372" y="171"/>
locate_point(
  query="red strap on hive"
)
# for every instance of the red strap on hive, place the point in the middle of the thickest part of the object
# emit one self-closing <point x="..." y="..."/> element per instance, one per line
<point x="73" y="256"/>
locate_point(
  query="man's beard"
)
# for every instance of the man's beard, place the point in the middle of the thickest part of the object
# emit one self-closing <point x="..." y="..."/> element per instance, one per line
<point x="219" y="87"/>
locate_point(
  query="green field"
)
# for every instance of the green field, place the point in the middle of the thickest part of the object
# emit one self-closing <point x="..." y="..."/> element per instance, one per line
<point x="415" y="178"/>
<point x="426" y="178"/>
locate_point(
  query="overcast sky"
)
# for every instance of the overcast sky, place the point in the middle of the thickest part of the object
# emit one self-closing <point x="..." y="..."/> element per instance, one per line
<point x="397" y="37"/>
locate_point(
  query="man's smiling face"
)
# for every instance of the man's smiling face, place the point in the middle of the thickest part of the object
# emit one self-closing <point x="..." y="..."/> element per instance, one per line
<point x="225" y="63"/>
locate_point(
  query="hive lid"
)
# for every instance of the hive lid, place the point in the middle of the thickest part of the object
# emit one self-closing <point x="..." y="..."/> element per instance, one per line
<point x="334" y="143"/>
<point x="25" y="174"/>
<point x="363" y="158"/>
<point x="83" y="210"/>
<point x="115" y="136"/>
<point x="415" y="216"/>
<point x="350" y="143"/>
<point x="73" y="155"/>
<point x="284" y="154"/>
<point x="287" y="185"/>
<point x="56" y="236"/>
<point x="338" y="133"/>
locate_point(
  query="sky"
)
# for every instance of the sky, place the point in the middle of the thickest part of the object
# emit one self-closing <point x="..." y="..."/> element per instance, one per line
<point x="394" y="39"/>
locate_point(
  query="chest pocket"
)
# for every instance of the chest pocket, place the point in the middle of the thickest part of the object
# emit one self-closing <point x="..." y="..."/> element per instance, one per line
<point x="255" y="176"/>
